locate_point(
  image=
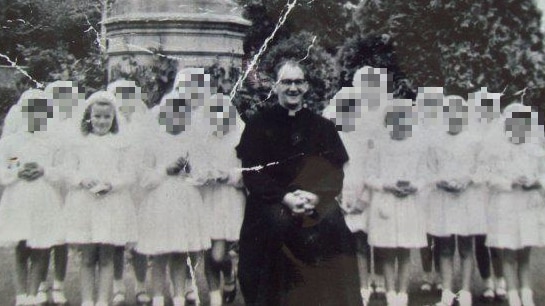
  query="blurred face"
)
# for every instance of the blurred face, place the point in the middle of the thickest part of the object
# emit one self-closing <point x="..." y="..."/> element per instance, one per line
<point x="175" y="116"/>
<point x="347" y="113"/>
<point x="128" y="95"/>
<point x="518" y="127"/>
<point x="102" y="118"/>
<point x="291" y="86"/>
<point x="221" y="115"/>
<point x="37" y="112"/>
<point x="195" y="88"/>
<point x="67" y="99"/>
<point x="456" y="115"/>
<point x="372" y="83"/>
<point x="399" y="123"/>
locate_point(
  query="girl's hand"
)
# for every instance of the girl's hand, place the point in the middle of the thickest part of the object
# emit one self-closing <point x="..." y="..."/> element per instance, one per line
<point x="104" y="189"/>
<point x="183" y="164"/>
<point x="173" y="169"/>
<point x="35" y="173"/>
<point x="88" y="183"/>
<point x="23" y="173"/>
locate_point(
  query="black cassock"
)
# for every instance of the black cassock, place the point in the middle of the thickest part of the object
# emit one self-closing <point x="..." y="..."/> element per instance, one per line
<point x="287" y="259"/>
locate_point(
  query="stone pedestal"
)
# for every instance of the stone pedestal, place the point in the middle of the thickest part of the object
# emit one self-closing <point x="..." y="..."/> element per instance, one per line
<point x="197" y="33"/>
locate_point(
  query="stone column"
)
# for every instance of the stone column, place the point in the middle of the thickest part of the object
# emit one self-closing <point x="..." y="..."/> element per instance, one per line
<point x="196" y="32"/>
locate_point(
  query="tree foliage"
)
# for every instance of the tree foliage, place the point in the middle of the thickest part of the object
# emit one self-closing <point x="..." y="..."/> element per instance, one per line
<point x="55" y="39"/>
<point x="326" y="19"/>
<point x="461" y="45"/>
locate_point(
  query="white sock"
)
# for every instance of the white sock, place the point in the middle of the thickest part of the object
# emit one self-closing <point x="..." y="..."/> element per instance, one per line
<point x="513" y="298"/>
<point x="179" y="301"/>
<point x="21" y="299"/>
<point x="447" y="297"/>
<point x="43" y="286"/>
<point x="119" y="286"/>
<point x="158" y="301"/>
<point x="58" y="285"/>
<point x="488" y="283"/>
<point x="527" y="297"/>
<point x="365" y="294"/>
<point x="215" y="298"/>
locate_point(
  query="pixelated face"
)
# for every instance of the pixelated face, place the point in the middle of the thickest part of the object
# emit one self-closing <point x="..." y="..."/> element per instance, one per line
<point x="455" y="114"/>
<point x="372" y="83"/>
<point x="67" y="99"/>
<point x="221" y="115"/>
<point x="486" y="105"/>
<point x="102" y="118"/>
<point x="37" y="112"/>
<point x="194" y="87"/>
<point x="518" y="127"/>
<point x="347" y="112"/>
<point x="291" y="86"/>
<point x="399" y="122"/>
<point x="175" y="115"/>
<point x="429" y="104"/>
<point x="129" y="97"/>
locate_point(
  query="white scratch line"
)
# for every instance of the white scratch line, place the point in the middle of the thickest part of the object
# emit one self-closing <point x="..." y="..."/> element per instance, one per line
<point x="308" y="49"/>
<point x="255" y="59"/>
<point x="21" y="70"/>
<point x="258" y="168"/>
<point x="98" y="40"/>
<point x="193" y="277"/>
<point x="154" y="53"/>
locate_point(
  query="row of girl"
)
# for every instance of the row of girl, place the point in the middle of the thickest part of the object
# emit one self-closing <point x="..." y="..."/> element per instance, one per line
<point x="106" y="173"/>
<point x="441" y="171"/>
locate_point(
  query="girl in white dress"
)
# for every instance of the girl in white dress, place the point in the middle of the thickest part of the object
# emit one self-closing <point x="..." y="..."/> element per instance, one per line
<point x="135" y="124"/>
<point x="457" y="213"/>
<point x="484" y="112"/>
<point x="396" y="218"/>
<point x="224" y="199"/>
<point x="68" y="101"/>
<point x="172" y="215"/>
<point x="99" y="210"/>
<point x="193" y="85"/>
<point x="30" y="208"/>
<point x="371" y="87"/>
<point x="429" y="104"/>
<point x="515" y="214"/>
<point x="345" y="110"/>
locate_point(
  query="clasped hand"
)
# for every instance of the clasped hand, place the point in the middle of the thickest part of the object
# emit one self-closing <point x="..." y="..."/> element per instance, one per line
<point x="180" y="165"/>
<point x="524" y="183"/>
<point x="96" y="187"/>
<point x="401" y="189"/>
<point x="30" y="171"/>
<point x="301" y="202"/>
<point x="451" y="186"/>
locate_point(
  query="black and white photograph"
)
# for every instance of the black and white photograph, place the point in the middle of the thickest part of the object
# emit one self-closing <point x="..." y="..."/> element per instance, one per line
<point x="272" y="152"/>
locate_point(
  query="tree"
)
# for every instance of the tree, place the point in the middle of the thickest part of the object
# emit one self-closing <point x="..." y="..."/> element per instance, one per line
<point x="325" y="19"/>
<point x="55" y="39"/>
<point x="461" y="45"/>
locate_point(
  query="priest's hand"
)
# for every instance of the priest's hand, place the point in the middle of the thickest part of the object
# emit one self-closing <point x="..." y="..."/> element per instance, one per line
<point x="294" y="202"/>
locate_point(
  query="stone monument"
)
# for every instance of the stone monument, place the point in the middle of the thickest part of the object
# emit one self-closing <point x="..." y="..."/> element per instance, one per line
<point x="198" y="33"/>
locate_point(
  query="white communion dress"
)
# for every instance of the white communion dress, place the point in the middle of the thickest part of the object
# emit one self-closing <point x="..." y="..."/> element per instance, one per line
<point x="30" y="210"/>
